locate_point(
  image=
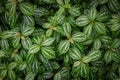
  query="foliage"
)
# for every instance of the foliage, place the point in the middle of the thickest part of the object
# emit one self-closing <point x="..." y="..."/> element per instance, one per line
<point x="59" y="39"/>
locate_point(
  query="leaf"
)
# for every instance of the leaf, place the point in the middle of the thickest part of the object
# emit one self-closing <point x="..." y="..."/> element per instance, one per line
<point x="79" y="37"/>
<point x="7" y="34"/>
<point x="37" y="39"/>
<point x="100" y="27"/>
<point x="67" y="28"/>
<point x="88" y="30"/>
<point x="102" y="16"/>
<point x="46" y="25"/>
<point x="27" y="8"/>
<point x="26" y="43"/>
<point x="75" y="53"/>
<point x="11" y="75"/>
<point x="63" y="47"/>
<point x="49" y="33"/>
<point x="86" y="59"/>
<point x="82" y="20"/>
<point x="47" y="75"/>
<point x="105" y="39"/>
<point x="113" y="5"/>
<point x="80" y="69"/>
<point x="16" y="42"/>
<point x="28" y="20"/>
<point x="30" y="58"/>
<point x="94" y="55"/>
<point x="92" y="14"/>
<point x="18" y="58"/>
<point x="48" y="42"/>
<point x="60" y="2"/>
<point x="30" y="76"/>
<point x="97" y="44"/>
<point x="58" y="76"/>
<point x="116" y="57"/>
<point x="108" y="56"/>
<point x="12" y="65"/>
<point x="10" y="18"/>
<point x="26" y="31"/>
<point x="74" y="11"/>
<point x="48" y="52"/>
<point x="2" y="53"/>
<point x="57" y="19"/>
<point x="4" y="43"/>
<point x="3" y="73"/>
<point x="34" y="48"/>
<point x="41" y="11"/>
<point x="115" y="27"/>
<point x="22" y="66"/>
<point x="116" y="43"/>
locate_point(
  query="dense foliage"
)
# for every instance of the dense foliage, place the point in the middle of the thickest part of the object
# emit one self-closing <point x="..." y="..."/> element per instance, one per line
<point x="59" y="39"/>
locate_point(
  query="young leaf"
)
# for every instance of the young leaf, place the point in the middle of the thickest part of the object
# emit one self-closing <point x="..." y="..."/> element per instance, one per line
<point x="63" y="46"/>
<point x="48" y="52"/>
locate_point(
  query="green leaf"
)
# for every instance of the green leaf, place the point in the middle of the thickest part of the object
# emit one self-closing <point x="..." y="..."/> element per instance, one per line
<point x="88" y="30"/>
<point x="97" y="44"/>
<point x="94" y="55"/>
<point x="67" y="28"/>
<point x="100" y="28"/>
<point x="16" y="42"/>
<point x="3" y="73"/>
<point x="47" y="75"/>
<point x="18" y="58"/>
<point x="7" y="34"/>
<point x="46" y="25"/>
<point x="22" y="66"/>
<point x="92" y="14"/>
<point x="10" y="19"/>
<point x="58" y="76"/>
<point x="74" y="11"/>
<point x="105" y="39"/>
<point x="66" y="1"/>
<point x="34" y="48"/>
<point x="86" y="59"/>
<point x="102" y="16"/>
<point x="48" y="52"/>
<point x="116" y="43"/>
<point x="11" y="75"/>
<point x="28" y="20"/>
<point x="26" y="43"/>
<point x="48" y="42"/>
<point x="79" y="37"/>
<point x="4" y="43"/>
<point x="30" y="58"/>
<point x="116" y="57"/>
<point x="80" y="69"/>
<point x="66" y="59"/>
<point x="12" y="65"/>
<point x="57" y="19"/>
<point x="27" y="30"/>
<point x="49" y="33"/>
<point x="2" y="53"/>
<point x="37" y="39"/>
<point x="60" y="2"/>
<point x="115" y="27"/>
<point x="108" y="56"/>
<point x="113" y="5"/>
<point x="63" y="47"/>
<point x="75" y="53"/>
<point x="27" y="8"/>
<point x="82" y="20"/>
<point x="30" y="76"/>
<point x="38" y="12"/>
